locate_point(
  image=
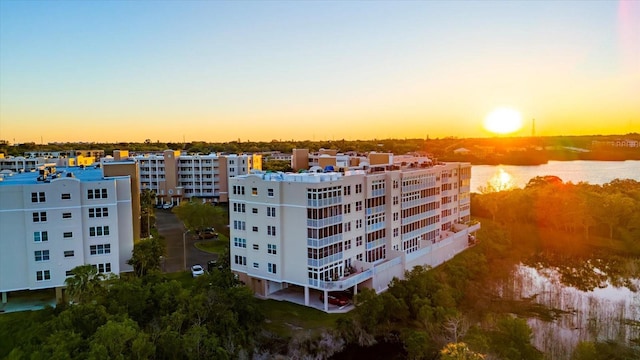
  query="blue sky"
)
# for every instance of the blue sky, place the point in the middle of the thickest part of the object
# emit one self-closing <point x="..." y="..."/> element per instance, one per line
<point x="265" y="70"/>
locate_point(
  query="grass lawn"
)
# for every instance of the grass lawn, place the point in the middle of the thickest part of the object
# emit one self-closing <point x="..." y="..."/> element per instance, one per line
<point x="183" y="277"/>
<point x="285" y="318"/>
<point x="213" y="246"/>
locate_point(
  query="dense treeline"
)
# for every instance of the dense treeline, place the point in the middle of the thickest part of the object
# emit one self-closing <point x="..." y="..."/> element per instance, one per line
<point x="457" y="301"/>
<point x="140" y="317"/>
<point x="511" y="150"/>
<point x="611" y="210"/>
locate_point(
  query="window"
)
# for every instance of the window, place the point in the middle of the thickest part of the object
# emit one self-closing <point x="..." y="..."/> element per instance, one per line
<point x="100" y="249"/>
<point x="239" y="242"/>
<point x="37" y="197"/>
<point x="99" y="231"/>
<point x="98" y="212"/>
<point x="240" y="260"/>
<point x="256" y="265"/>
<point x="40" y="236"/>
<point x="102" y="268"/>
<point x="255" y="229"/>
<point x="43" y="275"/>
<point x="358" y="223"/>
<point x="66" y="196"/>
<point x="271" y="249"/>
<point x="271" y="230"/>
<point x="256" y="247"/>
<point x="68" y="273"/>
<point x="270" y="192"/>
<point x="254" y="210"/>
<point x="41" y="255"/>
<point x="358" y="205"/>
<point x="396" y="231"/>
<point x="347" y="226"/>
<point x="69" y="253"/>
<point x="96" y="193"/>
<point x="347" y="244"/>
<point x="254" y="191"/>
<point x="395" y="200"/>
<point x="271" y="211"/>
<point x="66" y="215"/>
<point x="358" y="188"/>
<point x="347" y="190"/>
<point x="40" y="216"/>
<point x="239" y="225"/>
<point x="359" y="241"/>
<point x="271" y="268"/>
<point x="396" y="216"/>
<point x="396" y="184"/>
<point x="67" y="235"/>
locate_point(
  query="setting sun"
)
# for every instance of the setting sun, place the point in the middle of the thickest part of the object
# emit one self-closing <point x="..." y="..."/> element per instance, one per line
<point x="503" y="121"/>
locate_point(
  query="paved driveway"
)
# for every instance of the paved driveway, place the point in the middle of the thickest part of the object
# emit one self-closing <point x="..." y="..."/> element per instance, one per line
<point x="171" y="228"/>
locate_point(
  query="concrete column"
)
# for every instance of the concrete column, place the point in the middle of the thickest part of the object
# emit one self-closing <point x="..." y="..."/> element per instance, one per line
<point x="326" y="300"/>
<point x="4" y="297"/>
<point x="58" y="294"/>
<point x="355" y="290"/>
<point x="306" y="296"/>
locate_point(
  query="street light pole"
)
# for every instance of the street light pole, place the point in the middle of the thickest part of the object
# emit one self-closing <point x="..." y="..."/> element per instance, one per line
<point x="184" y="250"/>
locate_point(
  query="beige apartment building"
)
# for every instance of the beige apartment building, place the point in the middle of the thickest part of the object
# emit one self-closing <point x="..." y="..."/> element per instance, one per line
<point x="175" y="176"/>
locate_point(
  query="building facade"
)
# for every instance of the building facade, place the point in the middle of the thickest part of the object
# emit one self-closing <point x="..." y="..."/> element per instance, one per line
<point x="328" y="231"/>
<point x="174" y="176"/>
<point x="56" y="219"/>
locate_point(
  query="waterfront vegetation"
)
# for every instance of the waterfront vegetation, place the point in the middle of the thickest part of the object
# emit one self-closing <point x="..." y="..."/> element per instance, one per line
<point x="465" y="309"/>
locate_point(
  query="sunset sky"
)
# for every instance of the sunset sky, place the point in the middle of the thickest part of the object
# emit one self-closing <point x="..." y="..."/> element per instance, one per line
<point x="314" y="70"/>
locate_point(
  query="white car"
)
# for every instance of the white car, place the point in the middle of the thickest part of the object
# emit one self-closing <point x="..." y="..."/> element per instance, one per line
<point x="167" y="206"/>
<point x="197" y="270"/>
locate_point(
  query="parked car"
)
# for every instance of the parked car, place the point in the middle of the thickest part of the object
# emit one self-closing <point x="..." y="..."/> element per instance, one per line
<point x="197" y="270"/>
<point x="208" y="233"/>
<point x="336" y="298"/>
<point x="167" y="206"/>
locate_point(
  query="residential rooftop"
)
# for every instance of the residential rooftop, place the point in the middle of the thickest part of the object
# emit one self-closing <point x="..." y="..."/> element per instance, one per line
<point x="90" y="173"/>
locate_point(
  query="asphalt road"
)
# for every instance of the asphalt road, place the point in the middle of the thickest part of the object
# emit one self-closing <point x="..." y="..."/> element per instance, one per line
<point x="172" y="230"/>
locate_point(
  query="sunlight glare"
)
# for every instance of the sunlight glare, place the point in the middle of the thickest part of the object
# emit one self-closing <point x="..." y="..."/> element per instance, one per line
<point x="503" y="121"/>
<point x="501" y="180"/>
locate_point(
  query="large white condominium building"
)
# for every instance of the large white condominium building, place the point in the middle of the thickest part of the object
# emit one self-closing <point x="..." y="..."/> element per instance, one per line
<point x="325" y="231"/>
<point x="54" y="220"/>
<point x="174" y="176"/>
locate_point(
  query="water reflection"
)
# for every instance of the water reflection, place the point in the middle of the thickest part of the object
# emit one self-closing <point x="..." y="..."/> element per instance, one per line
<point x="501" y="180"/>
<point x="596" y="300"/>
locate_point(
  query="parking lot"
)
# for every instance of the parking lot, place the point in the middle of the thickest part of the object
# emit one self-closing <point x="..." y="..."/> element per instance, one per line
<point x="171" y="228"/>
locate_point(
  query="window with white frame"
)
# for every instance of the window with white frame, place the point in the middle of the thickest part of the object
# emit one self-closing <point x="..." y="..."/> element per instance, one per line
<point x="254" y="229"/>
<point x="40" y="216"/>
<point x="359" y="241"/>
<point x="271" y="230"/>
<point x="100" y="249"/>
<point x="41" y="255"/>
<point x="271" y="211"/>
<point x="66" y="215"/>
<point x="67" y="234"/>
<point x="256" y="265"/>
<point x="69" y="253"/>
<point x="65" y="196"/>
<point x="38" y="197"/>
<point x="254" y="191"/>
<point x="270" y="192"/>
<point x="98" y="212"/>
<point x="240" y="260"/>
<point x="239" y="242"/>
<point x="358" y="205"/>
<point x="103" y="268"/>
<point x="40" y="236"/>
<point x="43" y="275"/>
<point x="256" y="247"/>
<point x="99" y="230"/>
<point x="271" y="268"/>
<point x="254" y="210"/>
<point x="271" y="249"/>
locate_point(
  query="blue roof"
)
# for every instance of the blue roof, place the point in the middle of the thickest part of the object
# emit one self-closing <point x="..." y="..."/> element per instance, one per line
<point x="27" y="178"/>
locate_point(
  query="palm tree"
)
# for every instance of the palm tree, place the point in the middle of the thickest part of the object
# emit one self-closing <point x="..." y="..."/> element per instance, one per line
<point x="147" y="199"/>
<point x="85" y="284"/>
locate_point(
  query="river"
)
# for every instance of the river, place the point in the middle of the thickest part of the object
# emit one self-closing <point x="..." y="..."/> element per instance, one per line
<point x="504" y="177"/>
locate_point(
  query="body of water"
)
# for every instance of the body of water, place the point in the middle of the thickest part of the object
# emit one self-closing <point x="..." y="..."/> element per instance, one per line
<point x="504" y="177"/>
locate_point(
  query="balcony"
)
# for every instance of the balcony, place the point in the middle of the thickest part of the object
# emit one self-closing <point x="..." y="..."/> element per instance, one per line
<point x="343" y="283"/>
